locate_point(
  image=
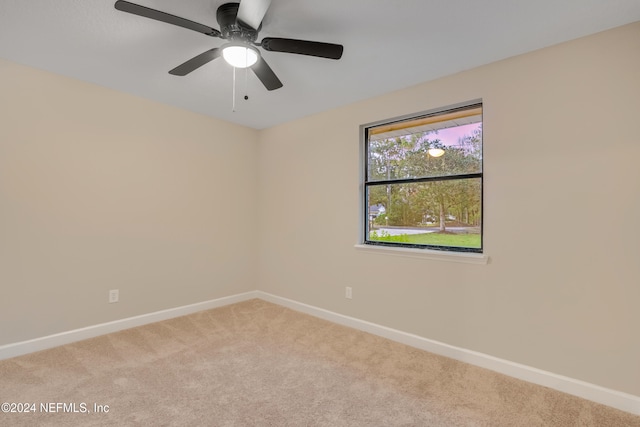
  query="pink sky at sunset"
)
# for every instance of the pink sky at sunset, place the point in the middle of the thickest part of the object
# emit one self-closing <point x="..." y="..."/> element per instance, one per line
<point x="449" y="136"/>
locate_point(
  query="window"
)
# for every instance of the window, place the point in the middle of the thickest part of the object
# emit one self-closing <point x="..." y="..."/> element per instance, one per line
<point x="423" y="180"/>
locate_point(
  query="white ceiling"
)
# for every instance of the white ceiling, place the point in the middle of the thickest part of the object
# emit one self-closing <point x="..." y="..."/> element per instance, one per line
<point x="388" y="45"/>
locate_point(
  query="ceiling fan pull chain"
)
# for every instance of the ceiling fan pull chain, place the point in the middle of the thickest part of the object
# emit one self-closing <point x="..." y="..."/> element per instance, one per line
<point x="246" y="84"/>
<point x="233" y="92"/>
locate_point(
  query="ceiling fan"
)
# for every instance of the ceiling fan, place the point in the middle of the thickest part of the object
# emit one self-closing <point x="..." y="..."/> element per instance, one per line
<point x="240" y="24"/>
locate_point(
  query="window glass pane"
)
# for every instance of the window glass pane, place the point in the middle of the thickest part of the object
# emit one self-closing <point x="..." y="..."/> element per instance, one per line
<point x="449" y="147"/>
<point x="438" y="213"/>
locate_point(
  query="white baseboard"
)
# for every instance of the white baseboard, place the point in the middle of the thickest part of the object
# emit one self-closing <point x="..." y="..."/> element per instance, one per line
<point x="50" y="341"/>
<point x="616" y="399"/>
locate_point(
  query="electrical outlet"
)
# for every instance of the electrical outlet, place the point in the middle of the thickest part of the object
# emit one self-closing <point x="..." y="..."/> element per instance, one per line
<point x="114" y="295"/>
<point x="348" y="292"/>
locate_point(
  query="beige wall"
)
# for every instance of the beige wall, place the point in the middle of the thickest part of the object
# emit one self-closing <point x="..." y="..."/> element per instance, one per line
<point x="100" y="190"/>
<point x="561" y="145"/>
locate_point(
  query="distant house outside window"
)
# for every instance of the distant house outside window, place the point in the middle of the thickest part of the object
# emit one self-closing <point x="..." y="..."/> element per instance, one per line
<point x="423" y="180"/>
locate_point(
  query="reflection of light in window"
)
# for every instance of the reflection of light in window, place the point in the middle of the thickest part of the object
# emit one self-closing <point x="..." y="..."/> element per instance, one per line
<point x="435" y="152"/>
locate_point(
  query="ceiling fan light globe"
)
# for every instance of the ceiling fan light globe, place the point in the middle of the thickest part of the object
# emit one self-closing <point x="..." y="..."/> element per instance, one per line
<point x="240" y="56"/>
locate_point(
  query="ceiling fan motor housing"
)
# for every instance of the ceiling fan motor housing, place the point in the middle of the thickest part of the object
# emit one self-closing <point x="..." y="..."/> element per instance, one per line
<point x="233" y="29"/>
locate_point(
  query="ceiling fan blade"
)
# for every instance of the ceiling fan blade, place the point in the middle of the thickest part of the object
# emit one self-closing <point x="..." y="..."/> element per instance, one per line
<point x="146" y="12"/>
<point x="266" y="75"/>
<point x="196" y="62"/>
<point x="302" y="47"/>
<point x="251" y="12"/>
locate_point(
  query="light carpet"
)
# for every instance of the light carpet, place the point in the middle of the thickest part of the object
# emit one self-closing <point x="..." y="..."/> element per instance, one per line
<point x="259" y="364"/>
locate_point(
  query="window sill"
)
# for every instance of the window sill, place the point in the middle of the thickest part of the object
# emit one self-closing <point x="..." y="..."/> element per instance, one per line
<point x="463" y="257"/>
